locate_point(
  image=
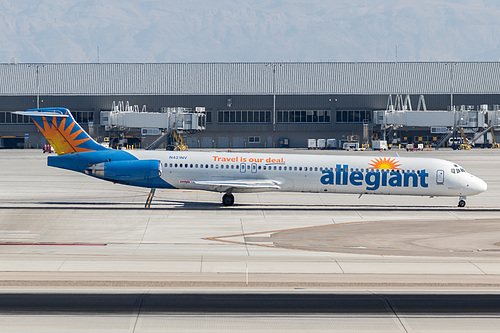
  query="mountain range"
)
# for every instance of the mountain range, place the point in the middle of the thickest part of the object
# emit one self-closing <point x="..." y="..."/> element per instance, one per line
<point x="248" y="31"/>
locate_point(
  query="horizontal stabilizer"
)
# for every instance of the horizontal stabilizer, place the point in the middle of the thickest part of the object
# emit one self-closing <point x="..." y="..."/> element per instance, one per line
<point x="41" y="114"/>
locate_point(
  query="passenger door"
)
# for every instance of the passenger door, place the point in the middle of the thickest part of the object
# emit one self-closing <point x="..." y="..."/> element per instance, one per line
<point x="440" y="177"/>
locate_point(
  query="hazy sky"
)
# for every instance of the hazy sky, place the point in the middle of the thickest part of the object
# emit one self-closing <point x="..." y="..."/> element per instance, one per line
<point x="246" y="30"/>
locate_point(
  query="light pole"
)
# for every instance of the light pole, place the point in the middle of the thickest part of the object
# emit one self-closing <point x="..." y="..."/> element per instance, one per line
<point x="452" y="109"/>
<point x="451" y="85"/>
<point x="37" y="88"/>
<point x="37" y="83"/>
<point x="274" y="97"/>
<point x="273" y="66"/>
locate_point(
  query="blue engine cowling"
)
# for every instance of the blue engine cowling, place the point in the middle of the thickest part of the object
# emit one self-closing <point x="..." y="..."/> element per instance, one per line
<point x="132" y="172"/>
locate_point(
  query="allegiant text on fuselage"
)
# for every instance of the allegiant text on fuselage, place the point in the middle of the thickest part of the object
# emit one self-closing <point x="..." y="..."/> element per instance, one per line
<point x="373" y="179"/>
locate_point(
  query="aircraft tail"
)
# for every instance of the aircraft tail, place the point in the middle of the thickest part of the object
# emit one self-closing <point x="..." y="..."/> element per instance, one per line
<point x="62" y="131"/>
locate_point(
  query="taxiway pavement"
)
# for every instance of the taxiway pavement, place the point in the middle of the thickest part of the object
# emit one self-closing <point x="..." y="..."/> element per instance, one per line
<point x="66" y="232"/>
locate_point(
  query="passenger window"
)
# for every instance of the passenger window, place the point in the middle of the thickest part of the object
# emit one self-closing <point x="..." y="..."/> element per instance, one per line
<point x="300" y="168"/>
<point x="196" y="165"/>
<point x="176" y="165"/>
<point x="232" y="166"/>
<point x="259" y="167"/>
<point x="275" y="167"/>
<point x="305" y="168"/>
<point x="452" y="170"/>
<point x="279" y="168"/>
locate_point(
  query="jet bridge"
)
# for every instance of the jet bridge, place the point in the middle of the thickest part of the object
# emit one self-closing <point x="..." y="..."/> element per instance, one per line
<point x="176" y="118"/>
<point x="431" y="118"/>
<point x="170" y="120"/>
<point x="471" y="119"/>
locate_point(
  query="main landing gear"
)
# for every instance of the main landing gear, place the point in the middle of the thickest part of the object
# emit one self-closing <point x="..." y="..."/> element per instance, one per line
<point x="228" y="199"/>
<point x="461" y="202"/>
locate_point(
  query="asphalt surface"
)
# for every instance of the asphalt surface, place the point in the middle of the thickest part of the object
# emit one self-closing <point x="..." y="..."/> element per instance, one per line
<point x="79" y="254"/>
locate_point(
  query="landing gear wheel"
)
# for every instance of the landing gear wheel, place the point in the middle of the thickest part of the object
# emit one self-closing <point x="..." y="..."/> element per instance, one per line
<point x="461" y="203"/>
<point x="228" y="199"/>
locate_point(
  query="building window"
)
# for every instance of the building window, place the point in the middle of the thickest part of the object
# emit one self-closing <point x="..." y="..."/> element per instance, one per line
<point x="354" y="116"/>
<point x="83" y="116"/>
<point x="7" y="117"/>
<point x="241" y="116"/>
<point x="309" y="116"/>
<point x="254" y="139"/>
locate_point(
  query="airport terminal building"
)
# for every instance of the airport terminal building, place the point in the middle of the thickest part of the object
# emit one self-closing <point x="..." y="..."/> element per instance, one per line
<point x="253" y="104"/>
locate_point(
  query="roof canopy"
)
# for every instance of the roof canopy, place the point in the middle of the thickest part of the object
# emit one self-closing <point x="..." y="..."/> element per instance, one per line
<point x="281" y="78"/>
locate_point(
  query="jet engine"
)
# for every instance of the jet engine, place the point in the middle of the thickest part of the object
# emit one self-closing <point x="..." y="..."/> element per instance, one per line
<point x="131" y="172"/>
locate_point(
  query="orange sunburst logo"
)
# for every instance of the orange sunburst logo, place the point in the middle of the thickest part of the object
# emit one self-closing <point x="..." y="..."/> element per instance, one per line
<point x="61" y="138"/>
<point x="384" y="163"/>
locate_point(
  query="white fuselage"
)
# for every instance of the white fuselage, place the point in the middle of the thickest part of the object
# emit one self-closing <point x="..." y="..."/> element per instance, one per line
<point x="255" y="172"/>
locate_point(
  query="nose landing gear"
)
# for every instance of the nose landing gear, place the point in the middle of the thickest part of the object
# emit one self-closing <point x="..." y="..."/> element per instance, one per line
<point x="461" y="202"/>
<point x="228" y="199"/>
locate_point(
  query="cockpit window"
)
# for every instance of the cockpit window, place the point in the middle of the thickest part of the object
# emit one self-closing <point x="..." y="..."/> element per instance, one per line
<point x="457" y="169"/>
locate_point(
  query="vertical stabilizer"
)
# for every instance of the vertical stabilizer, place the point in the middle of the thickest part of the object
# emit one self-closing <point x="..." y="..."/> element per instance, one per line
<point x="62" y="131"/>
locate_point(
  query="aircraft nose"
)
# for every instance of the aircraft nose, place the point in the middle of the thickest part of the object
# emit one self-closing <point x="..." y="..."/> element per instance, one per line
<point x="477" y="185"/>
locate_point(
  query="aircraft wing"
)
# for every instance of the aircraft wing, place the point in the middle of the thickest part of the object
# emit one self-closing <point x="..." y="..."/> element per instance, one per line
<point x="237" y="185"/>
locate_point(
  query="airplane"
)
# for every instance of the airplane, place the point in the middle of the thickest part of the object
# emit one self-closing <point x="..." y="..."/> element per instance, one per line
<point x="237" y="172"/>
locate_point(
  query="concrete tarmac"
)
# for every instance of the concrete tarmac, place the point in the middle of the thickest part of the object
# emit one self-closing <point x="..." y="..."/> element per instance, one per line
<point x="63" y="233"/>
